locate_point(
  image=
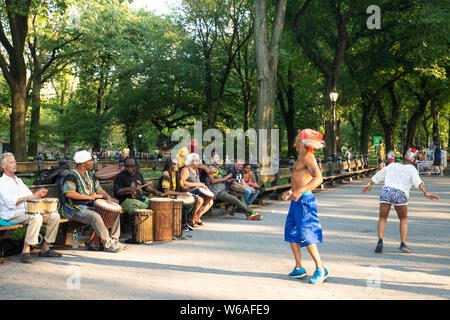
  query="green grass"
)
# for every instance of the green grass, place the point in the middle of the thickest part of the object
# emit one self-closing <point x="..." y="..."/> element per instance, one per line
<point x="150" y="174"/>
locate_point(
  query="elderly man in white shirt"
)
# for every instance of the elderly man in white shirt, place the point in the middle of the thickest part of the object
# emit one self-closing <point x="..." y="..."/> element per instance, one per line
<point x="398" y="179"/>
<point x="13" y="208"/>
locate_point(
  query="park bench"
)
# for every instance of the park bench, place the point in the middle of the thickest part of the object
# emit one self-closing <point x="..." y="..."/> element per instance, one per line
<point x="332" y="172"/>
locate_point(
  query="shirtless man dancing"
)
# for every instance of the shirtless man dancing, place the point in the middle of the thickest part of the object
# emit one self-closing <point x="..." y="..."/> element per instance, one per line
<point x="302" y="227"/>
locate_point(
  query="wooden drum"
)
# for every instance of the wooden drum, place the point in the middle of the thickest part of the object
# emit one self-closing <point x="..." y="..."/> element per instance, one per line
<point x="51" y="205"/>
<point x="162" y="218"/>
<point x="109" y="211"/>
<point x="143" y="225"/>
<point x="177" y="217"/>
<point x="36" y="206"/>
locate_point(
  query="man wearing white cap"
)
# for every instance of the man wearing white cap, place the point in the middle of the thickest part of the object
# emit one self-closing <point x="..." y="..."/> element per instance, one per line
<point x="81" y="188"/>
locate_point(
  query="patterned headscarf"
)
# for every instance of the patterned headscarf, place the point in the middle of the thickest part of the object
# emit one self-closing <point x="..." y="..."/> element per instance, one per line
<point x="411" y="154"/>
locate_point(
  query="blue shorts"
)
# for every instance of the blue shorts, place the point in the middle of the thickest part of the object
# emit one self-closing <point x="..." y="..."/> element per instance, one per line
<point x="302" y="224"/>
<point x="393" y="196"/>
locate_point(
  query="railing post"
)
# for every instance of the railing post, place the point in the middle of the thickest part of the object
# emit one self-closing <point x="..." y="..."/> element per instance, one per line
<point x="361" y="160"/>
<point x="330" y="165"/>
<point x="138" y="161"/>
<point x="339" y="161"/>
<point x="95" y="163"/>
<point x="69" y="160"/>
<point x="38" y="159"/>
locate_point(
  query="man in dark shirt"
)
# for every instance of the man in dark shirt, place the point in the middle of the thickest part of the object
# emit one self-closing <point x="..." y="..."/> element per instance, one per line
<point x="237" y="178"/>
<point x="437" y="160"/>
<point x="127" y="188"/>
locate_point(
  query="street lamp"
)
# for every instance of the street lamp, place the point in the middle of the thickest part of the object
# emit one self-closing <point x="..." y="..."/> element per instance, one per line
<point x="333" y="97"/>
<point x="140" y="144"/>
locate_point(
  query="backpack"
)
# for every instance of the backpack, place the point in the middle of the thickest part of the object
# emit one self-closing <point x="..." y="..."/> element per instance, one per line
<point x="49" y="176"/>
<point x="59" y="186"/>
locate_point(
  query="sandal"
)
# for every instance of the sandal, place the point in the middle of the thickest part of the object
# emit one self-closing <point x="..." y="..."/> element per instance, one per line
<point x="50" y="254"/>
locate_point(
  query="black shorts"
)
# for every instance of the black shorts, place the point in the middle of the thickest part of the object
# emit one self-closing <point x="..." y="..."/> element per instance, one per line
<point x="437" y="162"/>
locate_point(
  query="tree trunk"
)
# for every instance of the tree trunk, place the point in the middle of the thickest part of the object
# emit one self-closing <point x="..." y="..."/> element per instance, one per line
<point x="436" y="137"/>
<point x="15" y="72"/>
<point x="288" y="114"/>
<point x="414" y="120"/>
<point x="366" y="122"/>
<point x="267" y="65"/>
<point x="18" y="143"/>
<point x="100" y="97"/>
<point x="33" y="140"/>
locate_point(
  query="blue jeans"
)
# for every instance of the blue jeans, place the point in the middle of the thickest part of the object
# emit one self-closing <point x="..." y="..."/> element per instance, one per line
<point x="249" y="197"/>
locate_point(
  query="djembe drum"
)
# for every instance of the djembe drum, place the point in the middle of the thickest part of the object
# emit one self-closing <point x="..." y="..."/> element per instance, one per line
<point x="187" y="199"/>
<point x="162" y="218"/>
<point x="143" y="225"/>
<point x="177" y="217"/>
<point x="109" y="211"/>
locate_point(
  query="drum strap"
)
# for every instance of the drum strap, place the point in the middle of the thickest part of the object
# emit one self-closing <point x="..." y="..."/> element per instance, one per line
<point x="136" y="227"/>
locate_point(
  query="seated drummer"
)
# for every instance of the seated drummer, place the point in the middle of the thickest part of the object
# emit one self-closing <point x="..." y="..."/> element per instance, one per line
<point x="182" y="155"/>
<point x="171" y="185"/>
<point x="190" y="177"/>
<point x="81" y="188"/>
<point x="13" y="207"/>
<point x="126" y="188"/>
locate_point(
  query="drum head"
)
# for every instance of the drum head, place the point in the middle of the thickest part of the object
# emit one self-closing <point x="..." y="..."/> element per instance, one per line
<point x="35" y="200"/>
<point x="161" y="199"/>
<point x="206" y="192"/>
<point x="143" y="211"/>
<point x="106" y="204"/>
<point x="188" y="199"/>
<point x="51" y="199"/>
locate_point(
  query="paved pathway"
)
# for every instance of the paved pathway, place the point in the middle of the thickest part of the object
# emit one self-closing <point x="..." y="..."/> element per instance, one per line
<point x="231" y="258"/>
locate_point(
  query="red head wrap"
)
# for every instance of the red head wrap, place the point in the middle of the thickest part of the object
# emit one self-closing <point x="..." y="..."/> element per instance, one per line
<point x="310" y="134"/>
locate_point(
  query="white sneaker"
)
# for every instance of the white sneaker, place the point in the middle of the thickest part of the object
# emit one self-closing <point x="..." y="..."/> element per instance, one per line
<point x="119" y="244"/>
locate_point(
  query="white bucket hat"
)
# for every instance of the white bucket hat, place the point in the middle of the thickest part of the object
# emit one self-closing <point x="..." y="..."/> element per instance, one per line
<point x="82" y="156"/>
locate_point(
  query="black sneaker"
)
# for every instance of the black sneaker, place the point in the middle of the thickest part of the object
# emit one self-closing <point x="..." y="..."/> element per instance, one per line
<point x="379" y="248"/>
<point x="404" y="248"/>
<point x="26" y="258"/>
<point x="189" y="226"/>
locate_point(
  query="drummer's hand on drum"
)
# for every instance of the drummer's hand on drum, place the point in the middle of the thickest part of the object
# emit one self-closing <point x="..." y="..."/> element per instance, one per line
<point x="114" y="200"/>
<point x="95" y="196"/>
<point x="41" y="193"/>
